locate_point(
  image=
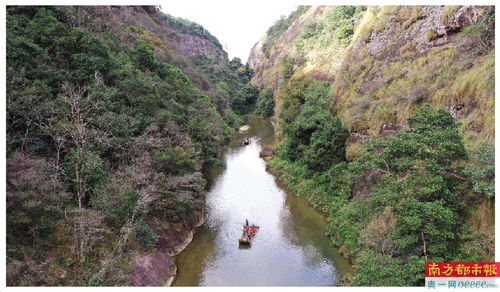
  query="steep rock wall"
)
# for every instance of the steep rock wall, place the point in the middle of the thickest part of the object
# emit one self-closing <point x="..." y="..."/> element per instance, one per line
<point x="398" y="58"/>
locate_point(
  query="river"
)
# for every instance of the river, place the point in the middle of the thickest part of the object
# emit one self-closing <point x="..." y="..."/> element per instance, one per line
<point x="290" y="249"/>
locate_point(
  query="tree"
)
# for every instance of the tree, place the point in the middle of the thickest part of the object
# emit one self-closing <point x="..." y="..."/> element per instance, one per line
<point x="144" y="56"/>
<point x="481" y="169"/>
<point x="175" y="160"/>
<point x="318" y="137"/>
<point x="245" y="100"/>
<point x="421" y="157"/>
<point x="84" y="168"/>
<point x="84" y="172"/>
<point x="413" y="178"/>
<point x="265" y="103"/>
<point x="327" y="145"/>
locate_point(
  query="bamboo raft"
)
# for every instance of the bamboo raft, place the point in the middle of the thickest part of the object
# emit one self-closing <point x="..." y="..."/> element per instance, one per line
<point x="245" y="239"/>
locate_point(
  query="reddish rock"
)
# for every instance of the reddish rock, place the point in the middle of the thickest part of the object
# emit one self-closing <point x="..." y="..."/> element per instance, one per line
<point x="173" y="242"/>
<point x="358" y="136"/>
<point x="389" y="129"/>
<point x="157" y="269"/>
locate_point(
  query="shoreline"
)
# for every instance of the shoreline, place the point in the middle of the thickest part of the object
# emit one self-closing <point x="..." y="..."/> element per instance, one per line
<point x="180" y="248"/>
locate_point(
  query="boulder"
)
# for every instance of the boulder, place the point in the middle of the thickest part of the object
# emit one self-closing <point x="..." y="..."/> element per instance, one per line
<point x="244" y="128"/>
<point x="157" y="269"/>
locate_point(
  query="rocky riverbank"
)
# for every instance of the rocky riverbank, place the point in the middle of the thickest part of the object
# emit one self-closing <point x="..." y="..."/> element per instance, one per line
<point x="158" y="268"/>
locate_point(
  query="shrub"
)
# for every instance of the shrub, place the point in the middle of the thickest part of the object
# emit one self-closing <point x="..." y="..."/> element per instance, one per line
<point x="35" y="200"/>
<point x="481" y="169"/>
<point x="327" y="145"/>
<point x="116" y="208"/>
<point x="265" y="103"/>
<point x="144" y="56"/>
<point x="174" y="160"/>
<point x="146" y="235"/>
<point x="431" y="35"/>
<point x="345" y="31"/>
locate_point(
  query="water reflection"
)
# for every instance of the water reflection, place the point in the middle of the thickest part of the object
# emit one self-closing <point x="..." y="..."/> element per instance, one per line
<point x="290" y="248"/>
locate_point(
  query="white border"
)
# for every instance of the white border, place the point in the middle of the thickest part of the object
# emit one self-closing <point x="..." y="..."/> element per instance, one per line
<point x="165" y="3"/>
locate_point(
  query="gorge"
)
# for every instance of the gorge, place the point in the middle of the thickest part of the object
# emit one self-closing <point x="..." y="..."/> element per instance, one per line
<point x="124" y="165"/>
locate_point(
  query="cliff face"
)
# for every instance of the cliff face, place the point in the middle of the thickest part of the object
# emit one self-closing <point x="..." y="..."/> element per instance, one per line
<point x="269" y="61"/>
<point x="175" y="40"/>
<point x="394" y="60"/>
<point x="170" y="33"/>
<point x="308" y="47"/>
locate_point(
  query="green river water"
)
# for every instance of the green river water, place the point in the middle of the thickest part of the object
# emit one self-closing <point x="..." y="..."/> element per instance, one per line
<point x="290" y="249"/>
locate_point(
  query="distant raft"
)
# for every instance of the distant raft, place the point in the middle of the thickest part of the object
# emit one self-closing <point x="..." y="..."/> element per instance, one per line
<point x="248" y="234"/>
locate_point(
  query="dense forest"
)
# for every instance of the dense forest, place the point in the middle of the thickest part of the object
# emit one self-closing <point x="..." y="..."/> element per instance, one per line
<point x="107" y="137"/>
<point x="393" y="143"/>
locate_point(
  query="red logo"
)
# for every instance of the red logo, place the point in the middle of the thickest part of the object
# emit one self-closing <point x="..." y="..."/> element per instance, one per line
<point x="462" y="269"/>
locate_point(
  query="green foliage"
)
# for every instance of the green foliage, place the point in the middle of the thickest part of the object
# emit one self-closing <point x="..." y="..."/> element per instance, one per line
<point x="145" y="234"/>
<point x="175" y="160"/>
<point x="376" y="269"/>
<point x="339" y="23"/>
<point x="68" y="262"/>
<point x="117" y="208"/>
<point x="434" y="135"/>
<point x="481" y="169"/>
<point x="144" y="56"/>
<point x="84" y="171"/>
<point x="416" y="187"/>
<point x="265" y="103"/>
<point x="246" y="99"/>
<point x="75" y="52"/>
<point x="90" y="103"/>
<point x="396" y="205"/>
<point x="231" y="77"/>
<point x="326" y="145"/>
<point x="318" y="137"/>
<point x="136" y="29"/>
<point x="343" y="17"/>
<point x="288" y="68"/>
<point x="313" y="146"/>
<point x="294" y="96"/>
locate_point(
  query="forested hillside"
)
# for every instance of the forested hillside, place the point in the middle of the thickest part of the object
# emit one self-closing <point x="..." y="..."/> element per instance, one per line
<point x="387" y="124"/>
<point x="112" y="112"/>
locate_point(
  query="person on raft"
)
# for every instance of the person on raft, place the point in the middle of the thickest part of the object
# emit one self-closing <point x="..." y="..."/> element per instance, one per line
<point x="248" y="230"/>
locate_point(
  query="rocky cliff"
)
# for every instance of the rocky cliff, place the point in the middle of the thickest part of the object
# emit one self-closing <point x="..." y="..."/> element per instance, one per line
<point x="385" y="62"/>
<point x="175" y="40"/>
